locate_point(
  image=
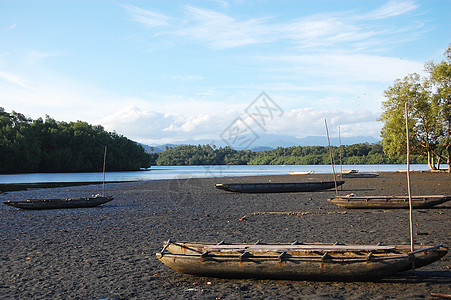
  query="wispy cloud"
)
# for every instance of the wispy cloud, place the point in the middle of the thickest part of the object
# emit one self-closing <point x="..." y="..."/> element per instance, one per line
<point x="345" y="66"/>
<point x="146" y="17"/>
<point x="10" y="27"/>
<point x="392" y="9"/>
<point x="222" y="31"/>
<point x="14" y="79"/>
<point x="40" y="54"/>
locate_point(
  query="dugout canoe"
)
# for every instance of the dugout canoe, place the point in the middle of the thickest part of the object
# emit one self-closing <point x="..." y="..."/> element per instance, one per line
<point x="278" y="187"/>
<point x="359" y="175"/>
<point x="301" y="172"/>
<point x="38" y="204"/>
<point x="388" y="202"/>
<point x="322" y="262"/>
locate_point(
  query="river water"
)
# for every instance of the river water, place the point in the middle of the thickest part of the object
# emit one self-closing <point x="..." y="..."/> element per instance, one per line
<point x="179" y="172"/>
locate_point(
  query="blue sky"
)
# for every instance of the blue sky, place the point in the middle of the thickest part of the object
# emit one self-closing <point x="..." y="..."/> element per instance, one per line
<point x="166" y="71"/>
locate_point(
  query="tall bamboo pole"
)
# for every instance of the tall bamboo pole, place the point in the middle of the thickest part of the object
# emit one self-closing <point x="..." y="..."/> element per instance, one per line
<point x="104" y="165"/>
<point x="341" y="158"/>
<point x="331" y="158"/>
<point x="408" y="180"/>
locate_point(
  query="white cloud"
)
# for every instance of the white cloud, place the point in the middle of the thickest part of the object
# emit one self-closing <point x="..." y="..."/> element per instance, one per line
<point x="146" y="17"/>
<point x="310" y="122"/>
<point x="219" y="30"/>
<point x="14" y="79"/>
<point x="155" y="127"/>
<point x="392" y="9"/>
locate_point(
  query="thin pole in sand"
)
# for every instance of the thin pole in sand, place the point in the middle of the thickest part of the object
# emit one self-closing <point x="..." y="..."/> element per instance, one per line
<point x="331" y="158"/>
<point x="104" y="164"/>
<point x="408" y="179"/>
<point x="341" y="160"/>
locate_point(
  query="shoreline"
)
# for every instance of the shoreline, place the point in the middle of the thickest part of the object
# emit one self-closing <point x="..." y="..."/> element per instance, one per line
<point x="15" y="187"/>
<point x="109" y="251"/>
<point x="21" y="186"/>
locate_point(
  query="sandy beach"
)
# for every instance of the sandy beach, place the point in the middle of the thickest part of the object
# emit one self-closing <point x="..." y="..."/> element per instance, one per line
<point x="109" y="252"/>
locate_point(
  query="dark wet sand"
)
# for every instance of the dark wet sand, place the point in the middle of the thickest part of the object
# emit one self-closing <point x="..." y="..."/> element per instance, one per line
<point x="109" y="251"/>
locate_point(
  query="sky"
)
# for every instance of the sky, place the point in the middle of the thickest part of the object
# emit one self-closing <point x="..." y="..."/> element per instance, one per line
<point x="166" y="71"/>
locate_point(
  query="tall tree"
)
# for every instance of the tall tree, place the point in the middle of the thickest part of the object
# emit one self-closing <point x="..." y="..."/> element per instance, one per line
<point x="429" y="114"/>
<point x="440" y="82"/>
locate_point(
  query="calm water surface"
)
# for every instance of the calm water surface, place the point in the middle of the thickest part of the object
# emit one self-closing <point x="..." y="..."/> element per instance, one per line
<point x="179" y="172"/>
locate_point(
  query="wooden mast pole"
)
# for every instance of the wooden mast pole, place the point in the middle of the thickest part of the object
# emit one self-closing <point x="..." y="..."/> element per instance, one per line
<point x="104" y="165"/>
<point x="331" y="158"/>
<point x="408" y="180"/>
<point x="341" y="158"/>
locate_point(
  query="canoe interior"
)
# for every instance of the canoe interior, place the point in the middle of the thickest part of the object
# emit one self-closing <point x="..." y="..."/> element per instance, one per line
<point x="329" y="262"/>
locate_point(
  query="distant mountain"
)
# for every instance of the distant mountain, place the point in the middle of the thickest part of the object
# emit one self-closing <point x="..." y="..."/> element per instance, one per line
<point x="269" y="141"/>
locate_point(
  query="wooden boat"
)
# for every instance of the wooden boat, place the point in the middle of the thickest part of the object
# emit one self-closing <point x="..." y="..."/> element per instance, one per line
<point x="326" y="262"/>
<point x="301" y="172"/>
<point x="35" y="204"/>
<point x="277" y="187"/>
<point x="387" y="202"/>
<point x="359" y="175"/>
<point x="349" y="171"/>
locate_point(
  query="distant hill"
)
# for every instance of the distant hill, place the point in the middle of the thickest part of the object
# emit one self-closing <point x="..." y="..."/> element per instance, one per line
<point x="159" y="148"/>
<point x="270" y="141"/>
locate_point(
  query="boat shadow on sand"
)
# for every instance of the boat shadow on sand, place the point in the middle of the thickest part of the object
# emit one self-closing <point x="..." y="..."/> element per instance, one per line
<point x="355" y="190"/>
<point x="409" y="277"/>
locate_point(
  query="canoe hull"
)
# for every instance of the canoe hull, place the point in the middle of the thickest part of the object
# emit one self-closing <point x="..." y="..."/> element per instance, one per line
<point x="38" y="204"/>
<point x="389" y="202"/>
<point x="294" y="263"/>
<point x="278" y="187"/>
<point x="301" y="172"/>
<point x="360" y="175"/>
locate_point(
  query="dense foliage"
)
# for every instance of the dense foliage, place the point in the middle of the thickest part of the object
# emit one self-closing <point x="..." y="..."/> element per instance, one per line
<point x="201" y="155"/>
<point x="297" y="155"/>
<point x="429" y="107"/>
<point x="28" y="145"/>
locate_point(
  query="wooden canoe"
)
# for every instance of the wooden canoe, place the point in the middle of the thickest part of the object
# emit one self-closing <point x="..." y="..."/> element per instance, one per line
<point x="359" y="175"/>
<point x="301" y="172"/>
<point x="35" y="204"/>
<point x="278" y="187"/>
<point x="387" y="202"/>
<point x="326" y="262"/>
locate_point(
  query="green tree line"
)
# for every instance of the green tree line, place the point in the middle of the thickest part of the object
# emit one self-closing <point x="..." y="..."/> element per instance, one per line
<point x="363" y="153"/>
<point x="39" y="145"/>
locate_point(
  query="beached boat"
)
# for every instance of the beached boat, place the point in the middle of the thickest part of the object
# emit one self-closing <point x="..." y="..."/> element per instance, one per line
<point x="35" y="204"/>
<point x="387" y="202"/>
<point x="349" y="171"/>
<point x="359" y="175"/>
<point x="278" y="187"/>
<point x="301" y="172"/>
<point x="326" y="262"/>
